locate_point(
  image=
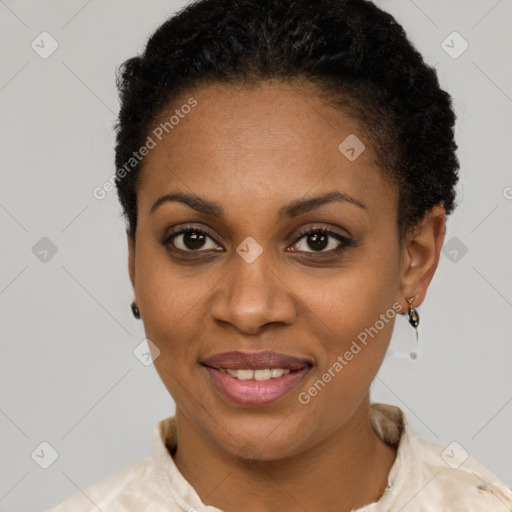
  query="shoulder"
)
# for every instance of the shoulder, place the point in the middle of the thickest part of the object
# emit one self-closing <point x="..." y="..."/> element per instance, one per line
<point x="112" y="492"/>
<point x="463" y="480"/>
<point x="151" y="484"/>
<point x="431" y="477"/>
<point x="441" y="478"/>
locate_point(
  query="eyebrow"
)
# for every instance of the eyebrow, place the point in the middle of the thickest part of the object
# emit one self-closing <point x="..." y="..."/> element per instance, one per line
<point x="291" y="210"/>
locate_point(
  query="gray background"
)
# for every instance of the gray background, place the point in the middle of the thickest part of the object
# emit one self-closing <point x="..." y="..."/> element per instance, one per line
<point x="68" y="373"/>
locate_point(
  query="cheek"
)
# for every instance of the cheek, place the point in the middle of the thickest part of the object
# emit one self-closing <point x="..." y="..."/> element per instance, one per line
<point x="170" y="298"/>
<point x="354" y="314"/>
<point x="354" y="297"/>
<point x="165" y="290"/>
<point x="349" y="357"/>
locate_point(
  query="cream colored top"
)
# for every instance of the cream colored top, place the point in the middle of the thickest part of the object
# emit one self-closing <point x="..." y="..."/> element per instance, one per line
<point x="425" y="477"/>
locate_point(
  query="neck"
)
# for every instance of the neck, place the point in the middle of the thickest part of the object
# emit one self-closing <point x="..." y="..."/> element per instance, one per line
<point x="342" y="472"/>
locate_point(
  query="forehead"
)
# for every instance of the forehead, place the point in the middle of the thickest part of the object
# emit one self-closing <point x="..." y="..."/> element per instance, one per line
<point x="271" y="140"/>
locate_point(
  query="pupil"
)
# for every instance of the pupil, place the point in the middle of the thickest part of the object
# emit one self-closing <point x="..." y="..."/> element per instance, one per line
<point x="319" y="240"/>
<point x="193" y="240"/>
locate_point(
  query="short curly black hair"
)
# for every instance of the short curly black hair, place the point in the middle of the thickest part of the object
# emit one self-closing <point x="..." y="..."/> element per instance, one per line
<point x="358" y="57"/>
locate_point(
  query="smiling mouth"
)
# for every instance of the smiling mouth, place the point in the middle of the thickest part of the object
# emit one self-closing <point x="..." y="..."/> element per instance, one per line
<point x="255" y="378"/>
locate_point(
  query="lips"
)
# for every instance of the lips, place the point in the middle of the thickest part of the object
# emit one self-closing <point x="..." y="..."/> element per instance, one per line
<point x="256" y="361"/>
<point x="256" y="378"/>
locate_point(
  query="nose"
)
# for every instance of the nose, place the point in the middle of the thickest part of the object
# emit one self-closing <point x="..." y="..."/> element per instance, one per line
<point x="252" y="295"/>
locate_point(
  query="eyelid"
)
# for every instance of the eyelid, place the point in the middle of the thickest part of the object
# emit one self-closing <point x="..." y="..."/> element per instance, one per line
<point x="328" y="230"/>
<point x="188" y="228"/>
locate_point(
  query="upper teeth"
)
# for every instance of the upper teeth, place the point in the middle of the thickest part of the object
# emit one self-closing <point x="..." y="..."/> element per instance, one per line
<point x="266" y="374"/>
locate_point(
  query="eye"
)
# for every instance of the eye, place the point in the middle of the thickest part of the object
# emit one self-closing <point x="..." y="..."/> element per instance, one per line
<point x="190" y="239"/>
<point x="319" y="239"/>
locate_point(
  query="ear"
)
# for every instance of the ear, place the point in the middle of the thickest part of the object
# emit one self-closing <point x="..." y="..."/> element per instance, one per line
<point x="420" y="256"/>
<point x="131" y="259"/>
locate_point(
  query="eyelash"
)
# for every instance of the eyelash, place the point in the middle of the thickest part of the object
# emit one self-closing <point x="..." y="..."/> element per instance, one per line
<point x="344" y="241"/>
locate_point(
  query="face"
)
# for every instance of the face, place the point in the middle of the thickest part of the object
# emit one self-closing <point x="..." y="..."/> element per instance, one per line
<point x="236" y="270"/>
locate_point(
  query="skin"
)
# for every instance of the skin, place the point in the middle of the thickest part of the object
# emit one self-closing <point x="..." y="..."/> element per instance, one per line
<point x="251" y="151"/>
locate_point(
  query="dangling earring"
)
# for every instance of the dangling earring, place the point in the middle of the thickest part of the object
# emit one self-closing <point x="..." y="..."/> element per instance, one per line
<point x="399" y="350"/>
<point x="414" y="318"/>
<point x="135" y="310"/>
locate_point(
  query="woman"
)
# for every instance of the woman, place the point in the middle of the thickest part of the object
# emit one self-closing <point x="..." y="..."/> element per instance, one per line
<point x="285" y="169"/>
